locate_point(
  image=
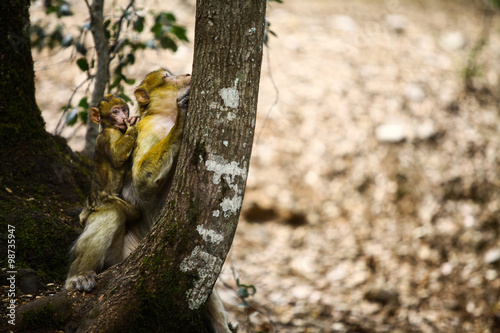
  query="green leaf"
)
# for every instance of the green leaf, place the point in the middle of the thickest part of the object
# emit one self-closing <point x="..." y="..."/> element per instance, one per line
<point x="51" y="9"/>
<point x="83" y="115"/>
<point x="115" y="83"/>
<point x="179" y="32"/>
<point x="72" y="117"/>
<point x="157" y="29"/>
<point x="84" y="103"/>
<point x="165" y="18"/>
<point x="139" y="24"/>
<point x="83" y="64"/>
<point x="55" y="37"/>
<point x="243" y="292"/>
<point x="170" y="17"/>
<point x="168" y="43"/>
<point x="138" y="46"/>
<point x="107" y="31"/>
<point x="37" y="36"/>
<point x="131" y="58"/>
<point x="80" y="48"/>
<point x="129" y="81"/>
<point x="126" y="98"/>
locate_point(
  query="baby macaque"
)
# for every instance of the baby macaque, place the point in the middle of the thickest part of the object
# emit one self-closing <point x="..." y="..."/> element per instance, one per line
<point x="105" y="213"/>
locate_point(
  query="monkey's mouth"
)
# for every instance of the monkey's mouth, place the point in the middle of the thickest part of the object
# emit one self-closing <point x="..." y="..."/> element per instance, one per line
<point x="122" y="126"/>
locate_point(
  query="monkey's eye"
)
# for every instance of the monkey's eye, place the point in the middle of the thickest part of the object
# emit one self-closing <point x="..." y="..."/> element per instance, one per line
<point x="115" y="111"/>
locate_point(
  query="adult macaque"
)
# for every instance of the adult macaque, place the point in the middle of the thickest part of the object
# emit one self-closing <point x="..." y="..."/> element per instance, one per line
<point x="105" y="214"/>
<point x="163" y="100"/>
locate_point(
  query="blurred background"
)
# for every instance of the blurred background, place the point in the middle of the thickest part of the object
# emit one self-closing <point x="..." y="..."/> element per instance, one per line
<point x="373" y="199"/>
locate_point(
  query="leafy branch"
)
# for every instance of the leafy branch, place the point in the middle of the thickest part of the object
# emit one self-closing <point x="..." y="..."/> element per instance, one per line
<point x="127" y="35"/>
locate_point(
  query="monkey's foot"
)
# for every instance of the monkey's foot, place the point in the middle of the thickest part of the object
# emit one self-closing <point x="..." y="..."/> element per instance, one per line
<point x="85" y="281"/>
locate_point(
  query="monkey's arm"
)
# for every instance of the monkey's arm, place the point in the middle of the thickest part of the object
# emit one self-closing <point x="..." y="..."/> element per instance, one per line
<point x="152" y="170"/>
<point x="120" y="145"/>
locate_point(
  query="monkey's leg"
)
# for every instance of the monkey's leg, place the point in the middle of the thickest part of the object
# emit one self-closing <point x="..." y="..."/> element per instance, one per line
<point x="129" y="211"/>
<point x="94" y="248"/>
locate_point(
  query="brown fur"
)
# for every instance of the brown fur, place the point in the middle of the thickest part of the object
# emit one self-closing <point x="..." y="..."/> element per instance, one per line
<point x="105" y="213"/>
<point x="162" y="101"/>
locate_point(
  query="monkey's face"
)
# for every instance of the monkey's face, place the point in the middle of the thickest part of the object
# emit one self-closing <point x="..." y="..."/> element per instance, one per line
<point x="112" y="111"/>
<point x="163" y="83"/>
<point x="118" y="116"/>
<point x="180" y="81"/>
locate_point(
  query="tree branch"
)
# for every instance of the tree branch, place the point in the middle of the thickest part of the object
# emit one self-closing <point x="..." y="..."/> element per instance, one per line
<point x="102" y="71"/>
<point x="117" y="38"/>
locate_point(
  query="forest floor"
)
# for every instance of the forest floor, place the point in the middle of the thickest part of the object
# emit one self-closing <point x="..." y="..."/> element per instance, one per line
<point x="373" y="200"/>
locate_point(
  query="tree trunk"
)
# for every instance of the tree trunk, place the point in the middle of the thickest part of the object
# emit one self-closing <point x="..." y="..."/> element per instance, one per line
<point x="163" y="285"/>
<point x="102" y="73"/>
<point x="21" y="122"/>
<point x="34" y="166"/>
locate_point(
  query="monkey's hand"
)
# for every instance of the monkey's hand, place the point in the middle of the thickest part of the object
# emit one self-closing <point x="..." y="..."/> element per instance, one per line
<point x="127" y="123"/>
<point x="85" y="281"/>
<point x="134" y="120"/>
<point x="183" y="102"/>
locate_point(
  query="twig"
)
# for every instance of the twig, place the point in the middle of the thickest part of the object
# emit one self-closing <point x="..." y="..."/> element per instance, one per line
<point x="260" y="310"/>
<point x="88" y="6"/>
<point x="117" y="38"/>
<point x="277" y="95"/>
<point x="68" y="105"/>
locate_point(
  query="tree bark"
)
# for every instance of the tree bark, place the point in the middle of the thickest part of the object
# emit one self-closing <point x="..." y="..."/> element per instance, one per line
<point x="219" y="134"/>
<point x="101" y="78"/>
<point x="20" y="119"/>
<point x="163" y="285"/>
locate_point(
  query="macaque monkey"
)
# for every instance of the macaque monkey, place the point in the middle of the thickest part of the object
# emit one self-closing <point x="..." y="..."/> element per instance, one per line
<point x="105" y="213"/>
<point x="163" y="100"/>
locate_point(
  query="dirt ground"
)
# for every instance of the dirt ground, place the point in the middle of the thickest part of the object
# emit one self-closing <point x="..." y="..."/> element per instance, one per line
<point x="373" y="199"/>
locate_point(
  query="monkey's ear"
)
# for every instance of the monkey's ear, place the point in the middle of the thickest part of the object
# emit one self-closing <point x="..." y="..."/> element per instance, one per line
<point x="95" y="115"/>
<point x="141" y="96"/>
